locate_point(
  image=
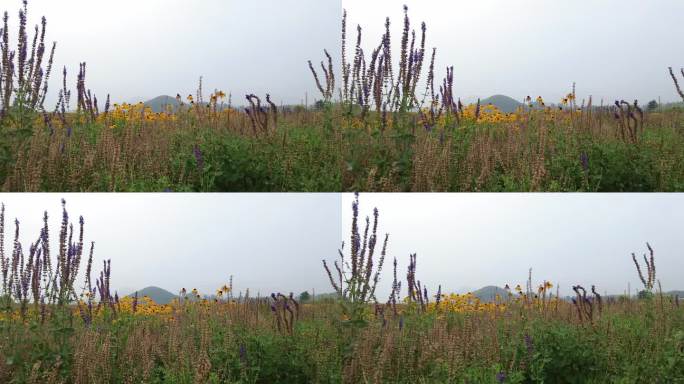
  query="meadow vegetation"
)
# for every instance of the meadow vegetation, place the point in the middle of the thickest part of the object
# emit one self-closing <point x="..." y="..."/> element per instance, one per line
<point x="56" y="329"/>
<point x="386" y="124"/>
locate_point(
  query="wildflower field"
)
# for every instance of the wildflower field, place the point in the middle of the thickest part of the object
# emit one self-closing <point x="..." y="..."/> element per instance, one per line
<point x="56" y="328"/>
<point x="382" y="122"/>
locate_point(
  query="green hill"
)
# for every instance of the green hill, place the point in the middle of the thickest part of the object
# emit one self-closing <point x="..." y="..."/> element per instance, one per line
<point x="488" y="293"/>
<point x="159" y="103"/>
<point x="159" y="295"/>
<point x="504" y="103"/>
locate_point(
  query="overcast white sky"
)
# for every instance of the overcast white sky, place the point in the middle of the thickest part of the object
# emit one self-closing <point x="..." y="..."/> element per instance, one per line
<point x="268" y="242"/>
<point x="610" y="48"/>
<point x="140" y="49"/>
<point x="275" y="242"/>
<point x="466" y="241"/>
<point x="136" y="50"/>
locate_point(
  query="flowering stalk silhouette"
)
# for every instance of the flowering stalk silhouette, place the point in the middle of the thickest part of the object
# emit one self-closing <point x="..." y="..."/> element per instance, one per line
<point x="356" y="279"/>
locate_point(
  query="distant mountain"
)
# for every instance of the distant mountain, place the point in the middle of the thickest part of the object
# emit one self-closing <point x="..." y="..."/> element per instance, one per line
<point x="159" y="295"/>
<point x="675" y="293"/>
<point x="488" y="293"/>
<point x="504" y="103"/>
<point x="159" y="103"/>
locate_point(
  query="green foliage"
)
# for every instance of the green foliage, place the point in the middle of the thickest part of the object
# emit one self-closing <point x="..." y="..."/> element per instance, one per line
<point x="16" y="128"/>
<point x="304" y="296"/>
<point x="562" y="354"/>
<point x="617" y="167"/>
<point x="329" y="154"/>
<point x="652" y="106"/>
<point x="618" y="348"/>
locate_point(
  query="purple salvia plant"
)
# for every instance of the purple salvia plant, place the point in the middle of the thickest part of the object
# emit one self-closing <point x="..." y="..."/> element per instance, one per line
<point x="584" y="161"/>
<point x="285" y="310"/>
<point x="261" y="118"/>
<point x="371" y="82"/>
<point x="501" y="377"/>
<point x="345" y="65"/>
<point x="358" y="284"/>
<point x="242" y="352"/>
<point x="649" y="280"/>
<point x="529" y="345"/>
<point x="32" y="277"/>
<point x="416" y="291"/>
<point x="199" y="159"/>
<point x="29" y="88"/>
<point x="329" y="77"/>
<point x="396" y="289"/>
<point x="4" y="261"/>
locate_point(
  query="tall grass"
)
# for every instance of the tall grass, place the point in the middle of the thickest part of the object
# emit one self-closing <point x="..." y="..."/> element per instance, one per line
<point x="52" y="334"/>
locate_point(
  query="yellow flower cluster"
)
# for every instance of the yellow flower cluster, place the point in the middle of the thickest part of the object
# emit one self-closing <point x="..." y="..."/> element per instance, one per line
<point x="224" y="290"/>
<point x="13" y="316"/>
<point x="568" y="99"/>
<point x="464" y="303"/>
<point x="542" y="298"/>
<point x="488" y="114"/>
<point x="216" y="96"/>
<point x="135" y="112"/>
<point x="144" y="306"/>
<point x="213" y="98"/>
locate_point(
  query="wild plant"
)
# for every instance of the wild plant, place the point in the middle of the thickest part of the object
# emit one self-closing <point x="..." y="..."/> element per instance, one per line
<point x="417" y="293"/>
<point x="370" y="82"/>
<point x="49" y="285"/>
<point x="285" y="309"/>
<point x="264" y="122"/>
<point x="87" y="102"/>
<point x="650" y="278"/>
<point x="676" y="83"/>
<point x="599" y="299"/>
<point x="585" y="306"/>
<point x="357" y="276"/>
<point x="23" y="84"/>
<point x="327" y="90"/>
<point x="630" y="119"/>
<point x="24" y="78"/>
<point x="329" y="78"/>
<point x="395" y="292"/>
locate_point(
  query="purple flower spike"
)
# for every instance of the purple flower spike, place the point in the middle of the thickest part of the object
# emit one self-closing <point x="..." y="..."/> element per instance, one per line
<point x="584" y="160"/>
<point x="198" y="157"/>
<point x="529" y="344"/>
<point x="243" y="353"/>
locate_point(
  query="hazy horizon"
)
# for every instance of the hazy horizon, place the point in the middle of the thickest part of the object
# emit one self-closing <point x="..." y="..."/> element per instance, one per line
<point x="275" y="242"/>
